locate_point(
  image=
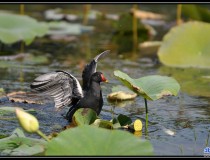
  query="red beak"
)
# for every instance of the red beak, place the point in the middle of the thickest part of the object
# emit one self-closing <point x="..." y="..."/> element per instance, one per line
<point x="103" y="78"/>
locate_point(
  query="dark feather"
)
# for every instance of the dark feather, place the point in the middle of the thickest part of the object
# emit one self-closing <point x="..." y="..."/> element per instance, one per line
<point x="90" y="69"/>
<point x="60" y="85"/>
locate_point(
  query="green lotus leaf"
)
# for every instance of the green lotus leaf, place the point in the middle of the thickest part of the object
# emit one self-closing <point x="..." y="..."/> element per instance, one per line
<point x="193" y="81"/>
<point x="18" y="144"/>
<point x="124" y="120"/>
<point x="151" y="87"/>
<point x="4" y="110"/>
<point x="87" y="140"/>
<point x="115" y="123"/>
<point x="186" y="45"/>
<point x="84" y="116"/>
<point x="14" y="28"/>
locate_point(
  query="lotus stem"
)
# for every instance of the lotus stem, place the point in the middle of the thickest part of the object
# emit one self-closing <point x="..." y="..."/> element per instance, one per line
<point x="135" y="29"/>
<point x="87" y="8"/>
<point x="178" y="14"/>
<point x="145" y="101"/>
<point x="22" y="9"/>
<point x="43" y="135"/>
<point x="146" y="126"/>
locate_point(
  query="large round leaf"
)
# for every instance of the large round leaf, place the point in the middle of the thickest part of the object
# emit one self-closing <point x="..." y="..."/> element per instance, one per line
<point x="14" y="28"/>
<point x="193" y="81"/>
<point x="88" y="140"/>
<point x="152" y="87"/>
<point x="186" y="45"/>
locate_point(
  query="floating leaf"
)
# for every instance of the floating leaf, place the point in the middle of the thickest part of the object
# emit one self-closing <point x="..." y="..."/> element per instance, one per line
<point x="186" y="45"/>
<point x="115" y="123"/>
<point x="151" y="87"/>
<point x="6" y="110"/>
<point x="120" y="92"/>
<point x="28" y="97"/>
<point x="84" y="116"/>
<point x="149" y="47"/>
<point x="87" y="140"/>
<point x="121" y="95"/>
<point x="103" y="123"/>
<point x="124" y="120"/>
<point x="14" y="28"/>
<point x="18" y="144"/>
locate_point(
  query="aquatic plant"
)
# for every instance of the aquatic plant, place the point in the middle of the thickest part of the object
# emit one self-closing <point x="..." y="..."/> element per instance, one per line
<point x="186" y="45"/>
<point x="151" y="87"/>
<point x="15" y="28"/>
<point x="87" y="137"/>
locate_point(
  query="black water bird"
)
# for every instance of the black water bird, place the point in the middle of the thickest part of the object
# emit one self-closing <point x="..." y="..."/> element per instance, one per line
<point x="66" y="90"/>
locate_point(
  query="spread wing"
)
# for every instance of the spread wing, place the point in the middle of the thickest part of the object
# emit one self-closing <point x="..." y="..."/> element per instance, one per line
<point x="90" y="69"/>
<point x="60" y="85"/>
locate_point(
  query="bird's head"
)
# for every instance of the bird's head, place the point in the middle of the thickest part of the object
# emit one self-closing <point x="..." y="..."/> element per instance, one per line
<point x="98" y="77"/>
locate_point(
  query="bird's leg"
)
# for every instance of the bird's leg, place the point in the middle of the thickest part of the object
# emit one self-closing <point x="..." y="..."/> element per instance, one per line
<point x="70" y="113"/>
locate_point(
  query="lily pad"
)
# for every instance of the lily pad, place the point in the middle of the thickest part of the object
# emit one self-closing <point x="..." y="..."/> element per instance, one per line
<point x="121" y="95"/>
<point x="124" y="120"/>
<point x="103" y="123"/>
<point x="115" y="123"/>
<point x="14" y="28"/>
<point x="84" y="116"/>
<point x="6" y="110"/>
<point x="186" y="45"/>
<point x="18" y="144"/>
<point x="87" y="140"/>
<point x="151" y="87"/>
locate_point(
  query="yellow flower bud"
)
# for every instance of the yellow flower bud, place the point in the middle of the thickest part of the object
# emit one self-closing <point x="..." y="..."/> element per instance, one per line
<point x="27" y="121"/>
<point x="137" y="125"/>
